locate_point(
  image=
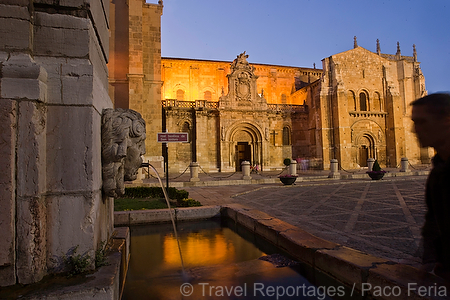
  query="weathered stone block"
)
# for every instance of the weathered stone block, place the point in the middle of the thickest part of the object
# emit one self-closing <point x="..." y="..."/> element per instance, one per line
<point x="271" y="228"/>
<point x="72" y="34"/>
<point x="72" y="219"/>
<point x="23" y="78"/>
<point x="303" y="245"/>
<point x="249" y="217"/>
<point x="53" y="68"/>
<point x="7" y="228"/>
<point x="8" y="275"/>
<point x="347" y="265"/>
<point x="15" y="2"/>
<point x="15" y="33"/>
<point x="121" y="218"/>
<point x="231" y="210"/>
<point x="100" y="97"/>
<point x="77" y="82"/>
<point x="31" y="229"/>
<point x="32" y="158"/>
<point x="228" y="212"/>
<point x="103" y="217"/>
<point x="71" y="149"/>
<point x="99" y="12"/>
<point x="70" y="3"/>
<point x="14" y="12"/>
<point x="13" y="88"/>
<point x="193" y="213"/>
<point x="150" y="216"/>
<point x="8" y="115"/>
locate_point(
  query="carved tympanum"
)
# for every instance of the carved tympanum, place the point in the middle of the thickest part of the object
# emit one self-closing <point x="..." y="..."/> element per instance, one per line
<point x="123" y="143"/>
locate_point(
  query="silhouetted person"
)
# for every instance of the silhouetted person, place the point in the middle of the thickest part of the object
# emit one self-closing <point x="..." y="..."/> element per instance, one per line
<point x="431" y="117"/>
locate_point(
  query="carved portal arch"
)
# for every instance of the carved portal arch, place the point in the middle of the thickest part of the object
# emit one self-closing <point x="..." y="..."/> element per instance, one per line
<point x="366" y="148"/>
<point x="368" y="141"/>
<point x="245" y="144"/>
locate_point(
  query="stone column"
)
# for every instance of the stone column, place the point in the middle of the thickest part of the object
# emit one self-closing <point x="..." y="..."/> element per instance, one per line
<point x="404" y="164"/>
<point x="293" y="167"/>
<point x="245" y="166"/>
<point x="334" y="169"/>
<point x="194" y="171"/>
<point x="370" y="162"/>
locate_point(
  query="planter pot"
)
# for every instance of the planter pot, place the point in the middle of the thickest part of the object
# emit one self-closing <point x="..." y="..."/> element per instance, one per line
<point x="376" y="175"/>
<point x="288" y="180"/>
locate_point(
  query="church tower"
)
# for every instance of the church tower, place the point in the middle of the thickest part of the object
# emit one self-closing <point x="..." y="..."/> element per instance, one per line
<point x="135" y="63"/>
<point x="365" y="110"/>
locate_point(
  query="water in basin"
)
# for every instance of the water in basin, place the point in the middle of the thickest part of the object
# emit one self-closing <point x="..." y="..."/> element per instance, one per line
<point x="222" y="261"/>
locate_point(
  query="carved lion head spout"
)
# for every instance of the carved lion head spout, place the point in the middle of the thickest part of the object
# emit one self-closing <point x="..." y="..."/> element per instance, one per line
<point x="123" y="143"/>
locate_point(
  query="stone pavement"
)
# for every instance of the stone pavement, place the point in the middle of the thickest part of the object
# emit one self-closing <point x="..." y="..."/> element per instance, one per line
<point x="382" y="218"/>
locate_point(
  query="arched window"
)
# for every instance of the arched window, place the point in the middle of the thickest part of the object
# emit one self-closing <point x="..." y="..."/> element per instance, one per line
<point x="351" y="101"/>
<point x="207" y="96"/>
<point x="363" y="102"/>
<point x="186" y="128"/>
<point x="283" y="99"/>
<point x="286" y="136"/>
<point x="377" y="102"/>
<point x="180" y="94"/>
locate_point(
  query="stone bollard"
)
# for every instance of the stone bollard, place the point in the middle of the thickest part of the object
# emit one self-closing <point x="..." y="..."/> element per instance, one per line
<point x="334" y="169"/>
<point x="194" y="171"/>
<point x="140" y="176"/>
<point x="404" y="164"/>
<point x="245" y="166"/>
<point x="293" y="167"/>
<point x="370" y="162"/>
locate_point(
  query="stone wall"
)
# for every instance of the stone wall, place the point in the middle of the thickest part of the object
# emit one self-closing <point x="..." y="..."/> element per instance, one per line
<point x="195" y="77"/>
<point x="135" y="65"/>
<point x="365" y="110"/>
<point x="53" y="88"/>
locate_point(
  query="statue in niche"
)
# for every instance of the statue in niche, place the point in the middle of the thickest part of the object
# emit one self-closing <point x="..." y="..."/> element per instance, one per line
<point x="222" y="133"/>
<point x="123" y="143"/>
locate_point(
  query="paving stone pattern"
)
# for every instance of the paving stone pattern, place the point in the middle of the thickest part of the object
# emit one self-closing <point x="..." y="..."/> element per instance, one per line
<point x="382" y="218"/>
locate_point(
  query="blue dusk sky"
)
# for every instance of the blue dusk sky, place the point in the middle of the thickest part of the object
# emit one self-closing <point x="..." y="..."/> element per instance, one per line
<point x="300" y="33"/>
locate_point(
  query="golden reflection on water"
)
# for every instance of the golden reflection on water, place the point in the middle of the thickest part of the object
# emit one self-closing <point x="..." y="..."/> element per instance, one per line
<point x="197" y="250"/>
<point x="215" y="258"/>
<point x="154" y="254"/>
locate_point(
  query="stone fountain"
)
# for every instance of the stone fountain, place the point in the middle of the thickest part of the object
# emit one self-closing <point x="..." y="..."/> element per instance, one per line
<point x="53" y="102"/>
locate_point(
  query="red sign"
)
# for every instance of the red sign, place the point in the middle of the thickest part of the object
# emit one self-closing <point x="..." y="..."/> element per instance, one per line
<point x="166" y="137"/>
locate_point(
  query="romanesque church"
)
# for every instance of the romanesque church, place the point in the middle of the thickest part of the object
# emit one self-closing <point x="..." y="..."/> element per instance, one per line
<point x="354" y="108"/>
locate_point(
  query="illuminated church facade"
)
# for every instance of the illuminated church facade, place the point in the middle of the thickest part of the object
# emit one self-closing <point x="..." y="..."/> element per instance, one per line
<point x="356" y="107"/>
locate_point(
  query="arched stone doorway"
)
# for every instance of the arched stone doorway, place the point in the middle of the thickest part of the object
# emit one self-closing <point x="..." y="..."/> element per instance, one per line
<point x="243" y="148"/>
<point x="245" y="145"/>
<point x="366" y="149"/>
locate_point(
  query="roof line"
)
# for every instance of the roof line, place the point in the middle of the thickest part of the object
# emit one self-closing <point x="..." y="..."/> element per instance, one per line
<point x="224" y="61"/>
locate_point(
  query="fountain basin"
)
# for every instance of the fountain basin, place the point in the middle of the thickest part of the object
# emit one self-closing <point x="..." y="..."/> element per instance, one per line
<point x="350" y="267"/>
